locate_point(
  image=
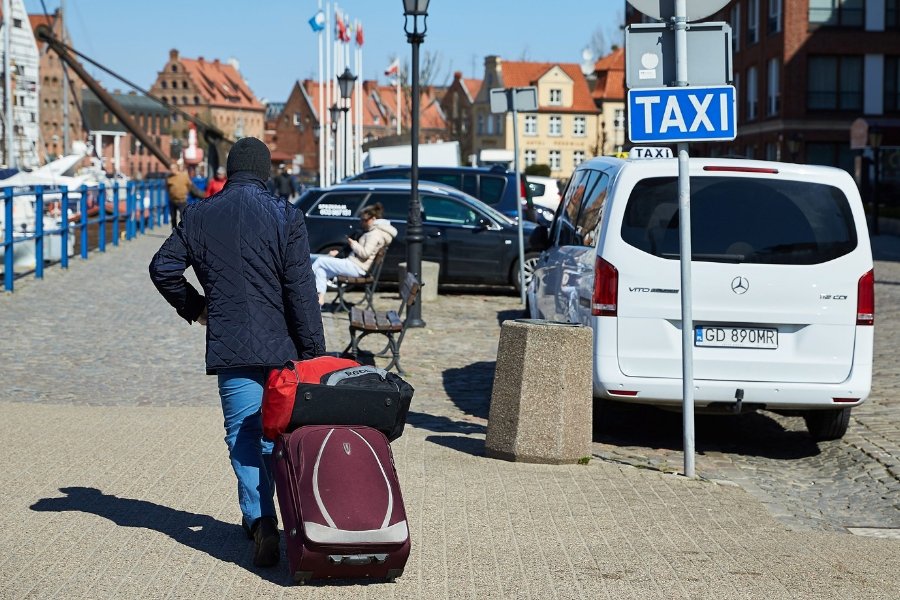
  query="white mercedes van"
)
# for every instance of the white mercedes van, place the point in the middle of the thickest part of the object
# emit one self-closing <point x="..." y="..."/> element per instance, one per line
<point x="782" y="276"/>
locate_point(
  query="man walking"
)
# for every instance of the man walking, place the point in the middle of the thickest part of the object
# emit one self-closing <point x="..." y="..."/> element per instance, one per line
<point x="179" y="186"/>
<point x="250" y="252"/>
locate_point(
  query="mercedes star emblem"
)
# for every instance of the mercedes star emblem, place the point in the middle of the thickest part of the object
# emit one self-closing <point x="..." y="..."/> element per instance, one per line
<point x="740" y="285"/>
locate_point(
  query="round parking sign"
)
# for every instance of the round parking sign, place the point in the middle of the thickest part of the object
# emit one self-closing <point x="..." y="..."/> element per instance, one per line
<point x="664" y="9"/>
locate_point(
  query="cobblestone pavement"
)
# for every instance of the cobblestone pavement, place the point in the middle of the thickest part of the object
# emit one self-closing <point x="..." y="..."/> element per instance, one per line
<point x="110" y="323"/>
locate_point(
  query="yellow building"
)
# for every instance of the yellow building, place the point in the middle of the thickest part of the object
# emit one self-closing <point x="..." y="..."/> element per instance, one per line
<point x="564" y="131"/>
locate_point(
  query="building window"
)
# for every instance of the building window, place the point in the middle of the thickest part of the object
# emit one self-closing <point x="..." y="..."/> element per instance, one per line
<point x="556" y="97"/>
<point x="578" y="157"/>
<point x="555" y="160"/>
<point x="774" y="24"/>
<point x="17" y="23"/>
<point x="752" y="21"/>
<point x="619" y="119"/>
<point x="830" y="155"/>
<point x="196" y="100"/>
<point x="892" y="14"/>
<point x="530" y="157"/>
<point x="164" y="84"/>
<point x="531" y="125"/>
<point x="555" y="125"/>
<point x="736" y="27"/>
<point x="174" y="70"/>
<point x="579" y="126"/>
<point x="184" y="84"/>
<point x="891" y="83"/>
<point x="835" y="83"/>
<point x="479" y="127"/>
<point x="751" y="93"/>
<point x="490" y="125"/>
<point x="837" y="13"/>
<point x="773" y="105"/>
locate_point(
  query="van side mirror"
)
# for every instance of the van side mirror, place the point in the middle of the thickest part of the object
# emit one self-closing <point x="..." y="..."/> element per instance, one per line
<point x="539" y="239"/>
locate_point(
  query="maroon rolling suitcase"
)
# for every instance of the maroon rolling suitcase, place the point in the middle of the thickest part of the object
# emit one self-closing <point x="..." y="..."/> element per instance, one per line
<point x="341" y="506"/>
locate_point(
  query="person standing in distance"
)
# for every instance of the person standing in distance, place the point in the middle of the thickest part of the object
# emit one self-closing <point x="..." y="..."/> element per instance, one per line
<point x="250" y="252"/>
<point x="179" y="186"/>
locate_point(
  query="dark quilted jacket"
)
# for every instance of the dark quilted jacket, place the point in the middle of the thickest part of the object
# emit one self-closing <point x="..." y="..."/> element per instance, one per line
<point x="250" y="252"/>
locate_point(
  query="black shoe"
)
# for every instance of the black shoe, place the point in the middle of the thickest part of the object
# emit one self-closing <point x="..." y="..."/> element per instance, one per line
<point x="267" y="539"/>
<point x="247" y="531"/>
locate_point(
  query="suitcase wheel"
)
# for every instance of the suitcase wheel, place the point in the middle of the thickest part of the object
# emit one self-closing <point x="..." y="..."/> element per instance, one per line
<point x="393" y="574"/>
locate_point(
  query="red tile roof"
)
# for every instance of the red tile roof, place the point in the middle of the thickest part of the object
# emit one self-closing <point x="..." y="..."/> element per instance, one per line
<point x="610" y="72"/>
<point x="522" y="74"/>
<point x="39" y="20"/>
<point x="473" y="86"/>
<point x="221" y="84"/>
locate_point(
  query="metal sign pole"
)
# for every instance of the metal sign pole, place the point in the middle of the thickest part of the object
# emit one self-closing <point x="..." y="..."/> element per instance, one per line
<point x="684" y="229"/>
<point x="515" y="115"/>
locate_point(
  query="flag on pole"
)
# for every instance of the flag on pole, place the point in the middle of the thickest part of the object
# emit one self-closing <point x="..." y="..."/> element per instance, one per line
<point x="393" y="68"/>
<point x="359" y="34"/>
<point x="317" y="22"/>
<point x="340" y="24"/>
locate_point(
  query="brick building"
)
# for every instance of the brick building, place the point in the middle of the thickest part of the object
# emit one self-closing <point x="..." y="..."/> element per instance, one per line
<point x="457" y="105"/>
<point x="118" y="149"/>
<point x="54" y="93"/>
<point x="213" y="91"/>
<point x="609" y="96"/>
<point x="804" y="71"/>
<point x="294" y="134"/>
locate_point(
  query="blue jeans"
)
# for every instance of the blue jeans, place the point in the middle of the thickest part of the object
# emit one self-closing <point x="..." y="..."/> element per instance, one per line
<point x="326" y="267"/>
<point x="251" y="456"/>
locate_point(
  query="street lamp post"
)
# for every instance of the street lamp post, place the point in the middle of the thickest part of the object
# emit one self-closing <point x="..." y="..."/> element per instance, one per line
<point x="335" y="112"/>
<point x="875" y="138"/>
<point x="345" y="83"/>
<point x="415" y="235"/>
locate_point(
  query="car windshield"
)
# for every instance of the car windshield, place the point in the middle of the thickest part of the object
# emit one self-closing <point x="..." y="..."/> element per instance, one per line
<point x="490" y="211"/>
<point x="742" y="220"/>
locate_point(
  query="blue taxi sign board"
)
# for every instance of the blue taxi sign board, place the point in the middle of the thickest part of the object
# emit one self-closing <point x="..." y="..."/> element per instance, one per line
<point x="682" y="114"/>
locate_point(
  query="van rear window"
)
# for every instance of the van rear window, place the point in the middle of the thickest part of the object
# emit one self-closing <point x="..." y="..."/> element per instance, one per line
<point x="742" y="220"/>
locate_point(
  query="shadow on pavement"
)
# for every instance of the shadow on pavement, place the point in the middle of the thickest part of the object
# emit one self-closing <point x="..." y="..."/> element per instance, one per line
<point x="473" y="446"/>
<point x="508" y="315"/>
<point x="752" y="434"/>
<point x="469" y="387"/>
<point x="442" y="424"/>
<point x="223" y="541"/>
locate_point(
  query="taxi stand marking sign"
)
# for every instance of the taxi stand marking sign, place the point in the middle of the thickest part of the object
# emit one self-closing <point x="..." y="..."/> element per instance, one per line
<point x="682" y="114"/>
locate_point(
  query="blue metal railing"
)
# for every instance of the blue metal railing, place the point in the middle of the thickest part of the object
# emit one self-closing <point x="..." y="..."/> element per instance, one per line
<point x="146" y="206"/>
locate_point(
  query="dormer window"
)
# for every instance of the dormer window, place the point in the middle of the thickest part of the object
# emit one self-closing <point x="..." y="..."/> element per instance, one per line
<point x="556" y="97"/>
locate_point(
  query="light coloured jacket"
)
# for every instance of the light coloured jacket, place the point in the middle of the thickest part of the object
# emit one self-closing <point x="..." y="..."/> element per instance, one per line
<point x="364" y="250"/>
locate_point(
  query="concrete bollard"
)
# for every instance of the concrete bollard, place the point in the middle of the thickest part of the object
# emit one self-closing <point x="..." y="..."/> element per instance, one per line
<point x="431" y="271"/>
<point x="542" y="400"/>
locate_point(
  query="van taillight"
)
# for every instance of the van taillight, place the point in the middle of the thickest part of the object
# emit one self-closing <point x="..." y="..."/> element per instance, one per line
<point x="605" y="302"/>
<point x="865" y="299"/>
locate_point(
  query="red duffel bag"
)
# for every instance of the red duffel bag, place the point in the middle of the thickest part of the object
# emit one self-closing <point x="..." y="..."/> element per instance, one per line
<point x="334" y="391"/>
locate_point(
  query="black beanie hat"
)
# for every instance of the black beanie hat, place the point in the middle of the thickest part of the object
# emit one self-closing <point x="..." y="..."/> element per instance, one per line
<point x="250" y="154"/>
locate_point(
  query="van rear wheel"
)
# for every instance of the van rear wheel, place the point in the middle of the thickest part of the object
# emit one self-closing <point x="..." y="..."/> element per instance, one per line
<point x="829" y="424"/>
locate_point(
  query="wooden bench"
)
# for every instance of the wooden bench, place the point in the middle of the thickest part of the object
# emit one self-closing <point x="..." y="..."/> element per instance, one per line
<point x="390" y="324"/>
<point x="369" y="281"/>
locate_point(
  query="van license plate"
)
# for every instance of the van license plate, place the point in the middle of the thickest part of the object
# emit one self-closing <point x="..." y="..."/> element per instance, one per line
<point x="736" y="337"/>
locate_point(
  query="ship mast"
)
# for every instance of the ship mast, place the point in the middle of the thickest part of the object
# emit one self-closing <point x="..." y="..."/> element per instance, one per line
<point x="65" y="81"/>
<point x="7" y="84"/>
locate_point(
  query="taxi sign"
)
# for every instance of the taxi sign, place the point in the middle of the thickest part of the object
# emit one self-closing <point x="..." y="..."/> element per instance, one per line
<point x="650" y="152"/>
<point x="682" y="114"/>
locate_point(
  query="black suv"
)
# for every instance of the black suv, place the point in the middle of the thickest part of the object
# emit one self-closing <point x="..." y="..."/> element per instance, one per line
<point x="473" y="243"/>
<point x="495" y="186"/>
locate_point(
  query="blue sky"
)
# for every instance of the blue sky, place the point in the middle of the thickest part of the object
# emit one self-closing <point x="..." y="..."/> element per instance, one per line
<point x="275" y="45"/>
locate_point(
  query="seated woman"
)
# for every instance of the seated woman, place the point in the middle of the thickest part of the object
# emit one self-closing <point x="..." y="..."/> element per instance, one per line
<point x="378" y="234"/>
